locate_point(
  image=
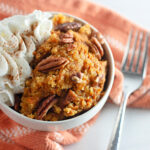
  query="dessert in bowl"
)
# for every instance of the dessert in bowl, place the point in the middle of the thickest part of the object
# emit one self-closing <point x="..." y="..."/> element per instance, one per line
<point x="56" y="70"/>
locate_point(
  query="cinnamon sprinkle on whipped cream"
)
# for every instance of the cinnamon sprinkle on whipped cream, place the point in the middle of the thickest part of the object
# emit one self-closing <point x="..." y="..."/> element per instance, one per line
<point x="19" y="37"/>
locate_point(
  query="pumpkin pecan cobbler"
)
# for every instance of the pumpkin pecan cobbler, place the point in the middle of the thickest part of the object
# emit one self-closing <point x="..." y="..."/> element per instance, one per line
<point x="68" y="72"/>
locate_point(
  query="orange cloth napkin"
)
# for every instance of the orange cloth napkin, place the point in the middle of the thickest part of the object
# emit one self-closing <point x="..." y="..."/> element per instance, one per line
<point x="115" y="29"/>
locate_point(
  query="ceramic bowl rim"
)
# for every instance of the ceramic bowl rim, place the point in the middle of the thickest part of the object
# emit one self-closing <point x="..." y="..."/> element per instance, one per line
<point x="79" y="116"/>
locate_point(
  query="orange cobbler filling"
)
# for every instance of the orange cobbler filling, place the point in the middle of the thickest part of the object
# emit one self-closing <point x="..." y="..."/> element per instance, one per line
<point x="69" y="73"/>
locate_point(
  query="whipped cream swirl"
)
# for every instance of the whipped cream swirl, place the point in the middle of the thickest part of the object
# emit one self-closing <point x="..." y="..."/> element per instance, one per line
<point x="19" y="37"/>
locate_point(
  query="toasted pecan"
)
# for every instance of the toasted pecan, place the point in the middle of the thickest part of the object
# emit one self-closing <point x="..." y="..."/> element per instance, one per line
<point x="77" y="77"/>
<point x="95" y="41"/>
<point x="71" y="96"/>
<point x="66" y="38"/>
<point x="100" y="38"/>
<point x="70" y="47"/>
<point x="45" y="106"/>
<point x="94" y="49"/>
<point x="68" y="26"/>
<point x="51" y="63"/>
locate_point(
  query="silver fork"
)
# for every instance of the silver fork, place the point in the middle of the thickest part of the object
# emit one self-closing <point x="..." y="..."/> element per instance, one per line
<point x="132" y="81"/>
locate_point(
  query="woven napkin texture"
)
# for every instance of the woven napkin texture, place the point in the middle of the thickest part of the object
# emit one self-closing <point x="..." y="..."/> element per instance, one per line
<point x="115" y="29"/>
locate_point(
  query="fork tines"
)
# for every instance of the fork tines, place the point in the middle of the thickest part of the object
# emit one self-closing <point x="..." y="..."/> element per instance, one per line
<point x="143" y="55"/>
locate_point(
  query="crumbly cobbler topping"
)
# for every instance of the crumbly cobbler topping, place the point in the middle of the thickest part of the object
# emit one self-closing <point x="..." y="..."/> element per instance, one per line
<point x="69" y="72"/>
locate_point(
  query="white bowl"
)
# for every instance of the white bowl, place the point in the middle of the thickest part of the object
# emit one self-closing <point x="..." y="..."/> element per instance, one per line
<point x="73" y="122"/>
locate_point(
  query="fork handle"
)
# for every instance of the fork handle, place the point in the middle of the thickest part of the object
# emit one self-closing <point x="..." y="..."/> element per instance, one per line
<point x="116" y="134"/>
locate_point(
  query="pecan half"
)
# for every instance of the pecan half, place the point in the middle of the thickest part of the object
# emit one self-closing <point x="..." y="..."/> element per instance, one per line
<point x="99" y="36"/>
<point x="45" y="106"/>
<point x="17" y="101"/>
<point x="71" y="96"/>
<point x="77" y="77"/>
<point x="70" y="47"/>
<point x="98" y="45"/>
<point x="68" y="26"/>
<point x="51" y="63"/>
<point x="66" y="38"/>
<point x="96" y="48"/>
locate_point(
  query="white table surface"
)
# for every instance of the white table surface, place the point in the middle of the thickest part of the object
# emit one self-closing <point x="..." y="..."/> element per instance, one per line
<point x="136" y="131"/>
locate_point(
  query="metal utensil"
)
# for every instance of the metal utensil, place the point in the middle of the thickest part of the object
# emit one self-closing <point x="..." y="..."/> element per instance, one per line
<point x="133" y="78"/>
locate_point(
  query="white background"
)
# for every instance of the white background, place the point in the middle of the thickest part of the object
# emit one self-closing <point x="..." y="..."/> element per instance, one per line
<point x="136" y="132"/>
